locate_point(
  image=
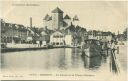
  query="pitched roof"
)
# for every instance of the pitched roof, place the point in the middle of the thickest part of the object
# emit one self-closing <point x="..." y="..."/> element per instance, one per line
<point x="57" y="32"/>
<point x="106" y="33"/>
<point x="7" y="24"/>
<point x="50" y="18"/>
<point x="57" y="10"/>
<point x="34" y="30"/>
<point x="75" y="18"/>
<point x="47" y="17"/>
<point x="67" y="17"/>
<point x="71" y="28"/>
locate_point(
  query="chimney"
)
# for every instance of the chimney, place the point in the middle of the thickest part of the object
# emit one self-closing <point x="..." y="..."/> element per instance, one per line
<point x="30" y="21"/>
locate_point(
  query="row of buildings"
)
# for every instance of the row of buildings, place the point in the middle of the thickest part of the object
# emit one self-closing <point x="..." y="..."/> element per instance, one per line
<point x="57" y="30"/>
<point x="15" y="33"/>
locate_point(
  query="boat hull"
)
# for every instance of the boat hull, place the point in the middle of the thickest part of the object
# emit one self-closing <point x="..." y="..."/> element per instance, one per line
<point x="92" y="52"/>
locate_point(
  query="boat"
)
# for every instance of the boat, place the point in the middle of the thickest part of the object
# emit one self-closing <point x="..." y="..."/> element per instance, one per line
<point x="73" y="46"/>
<point x="50" y="46"/>
<point x="91" y="48"/>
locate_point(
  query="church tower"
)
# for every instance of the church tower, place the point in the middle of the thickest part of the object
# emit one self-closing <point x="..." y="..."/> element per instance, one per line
<point x="57" y="18"/>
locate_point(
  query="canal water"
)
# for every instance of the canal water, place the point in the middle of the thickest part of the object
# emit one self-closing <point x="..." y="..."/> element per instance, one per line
<point x="58" y="59"/>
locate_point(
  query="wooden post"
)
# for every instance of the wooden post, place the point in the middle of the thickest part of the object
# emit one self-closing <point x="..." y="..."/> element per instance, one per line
<point x="118" y="50"/>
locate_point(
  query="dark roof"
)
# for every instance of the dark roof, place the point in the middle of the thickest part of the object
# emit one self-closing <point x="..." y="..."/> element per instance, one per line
<point x="47" y="17"/>
<point x="99" y="33"/>
<point x="34" y="29"/>
<point x="50" y="18"/>
<point x="20" y="25"/>
<point x="71" y="28"/>
<point x="7" y="24"/>
<point x="106" y="33"/>
<point x="57" y="10"/>
<point x="120" y="36"/>
<point x="46" y="30"/>
<point x="67" y="17"/>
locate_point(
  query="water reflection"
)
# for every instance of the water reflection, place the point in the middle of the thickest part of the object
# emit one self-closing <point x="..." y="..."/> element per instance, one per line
<point x="76" y="60"/>
<point x="93" y="62"/>
<point x="60" y="58"/>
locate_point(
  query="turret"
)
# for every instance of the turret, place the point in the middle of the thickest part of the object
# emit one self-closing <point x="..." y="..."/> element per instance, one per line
<point x="46" y="21"/>
<point x="67" y="19"/>
<point x="47" y="18"/>
<point x="75" y="20"/>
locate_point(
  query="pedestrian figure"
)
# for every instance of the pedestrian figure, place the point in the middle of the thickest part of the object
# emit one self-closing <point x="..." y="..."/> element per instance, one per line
<point x="38" y="43"/>
<point x="113" y="48"/>
<point x="113" y="64"/>
<point x="118" y="50"/>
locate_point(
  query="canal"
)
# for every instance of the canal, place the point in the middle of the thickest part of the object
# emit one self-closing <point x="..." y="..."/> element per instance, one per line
<point x="46" y="59"/>
<point x="58" y="59"/>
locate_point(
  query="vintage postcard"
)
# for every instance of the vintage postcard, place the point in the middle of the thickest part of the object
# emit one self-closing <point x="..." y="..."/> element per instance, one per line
<point x="63" y="40"/>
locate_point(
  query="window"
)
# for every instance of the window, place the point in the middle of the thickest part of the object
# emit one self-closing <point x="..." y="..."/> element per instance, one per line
<point x="57" y="43"/>
<point x="57" y="36"/>
<point x="53" y="43"/>
<point x="61" y="43"/>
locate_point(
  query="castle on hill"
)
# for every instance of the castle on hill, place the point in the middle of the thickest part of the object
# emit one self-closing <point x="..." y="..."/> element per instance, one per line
<point x="57" y="21"/>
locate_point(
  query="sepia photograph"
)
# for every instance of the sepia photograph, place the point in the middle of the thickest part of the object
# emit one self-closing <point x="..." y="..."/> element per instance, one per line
<point x="63" y="40"/>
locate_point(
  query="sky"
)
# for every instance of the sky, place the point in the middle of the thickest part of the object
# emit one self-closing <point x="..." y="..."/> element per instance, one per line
<point x="96" y="15"/>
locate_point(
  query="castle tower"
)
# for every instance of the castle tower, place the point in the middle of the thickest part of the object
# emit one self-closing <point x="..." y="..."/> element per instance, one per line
<point x="57" y="18"/>
<point x="75" y="20"/>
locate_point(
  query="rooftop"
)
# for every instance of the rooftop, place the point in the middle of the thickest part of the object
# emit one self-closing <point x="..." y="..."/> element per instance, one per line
<point x="47" y="17"/>
<point x="67" y="17"/>
<point x="57" y="10"/>
<point x="75" y="18"/>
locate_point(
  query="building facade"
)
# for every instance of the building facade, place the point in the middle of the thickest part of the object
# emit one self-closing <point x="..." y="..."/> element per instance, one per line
<point x="100" y="35"/>
<point x="64" y="27"/>
<point x="57" y="21"/>
<point x="57" y="38"/>
<point x="13" y="33"/>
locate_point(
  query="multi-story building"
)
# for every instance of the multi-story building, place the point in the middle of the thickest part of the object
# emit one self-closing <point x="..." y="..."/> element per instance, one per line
<point x="13" y="33"/>
<point x="57" y="21"/>
<point x="100" y="35"/>
<point x="57" y="38"/>
<point x="66" y="26"/>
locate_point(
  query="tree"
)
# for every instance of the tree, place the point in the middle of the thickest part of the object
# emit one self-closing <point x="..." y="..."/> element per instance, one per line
<point x="125" y="33"/>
